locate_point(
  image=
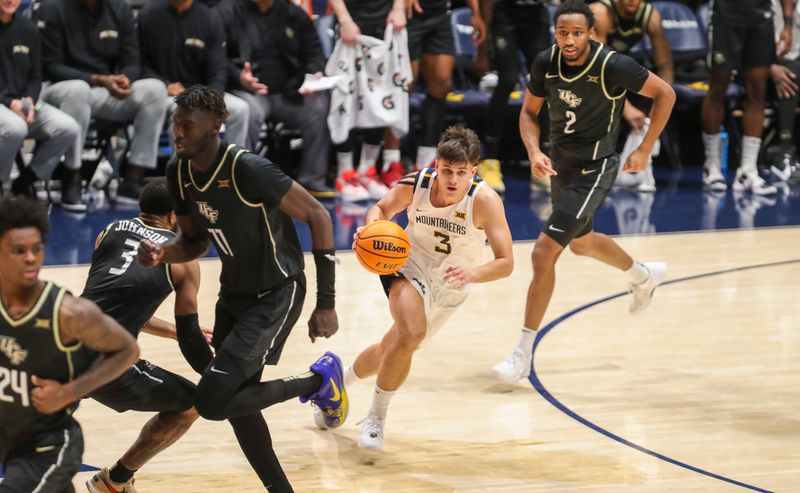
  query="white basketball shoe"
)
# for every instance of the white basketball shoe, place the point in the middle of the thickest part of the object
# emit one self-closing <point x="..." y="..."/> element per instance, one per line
<point x="642" y="293"/>
<point x="515" y="367"/>
<point x="371" y="437"/>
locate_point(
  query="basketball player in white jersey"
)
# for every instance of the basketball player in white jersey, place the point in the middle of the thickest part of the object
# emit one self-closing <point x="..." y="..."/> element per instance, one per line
<point x="450" y="215"/>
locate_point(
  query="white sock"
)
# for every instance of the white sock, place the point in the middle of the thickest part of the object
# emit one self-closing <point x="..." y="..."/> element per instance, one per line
<point x="425" y="156"/>
<point x="750" y="148"/>
<point x="526" y="340"/>
<point x="380" y="402"/>
<point x="350" y="376"/>
<point x="638" y="272"/>
<point x="713" y="146"/>
<point x="369" y="155"/>
<point x="390" y="156"/>
<point x="344" y="162"/>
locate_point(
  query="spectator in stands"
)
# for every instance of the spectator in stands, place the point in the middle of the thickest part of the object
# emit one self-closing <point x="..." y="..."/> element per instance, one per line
<point x="431" y="48"/>
<point x="622" y="24"/>
<point x="271" y="46"/>
<point x="370" y="18"/>
<point x="785" y="74"/>
<point x="516" y="25"/>
<point x="183" y="44"/>
<point x="91" y="56"/>
<point x="20" y="116"/>
<point x="742" y="38"/>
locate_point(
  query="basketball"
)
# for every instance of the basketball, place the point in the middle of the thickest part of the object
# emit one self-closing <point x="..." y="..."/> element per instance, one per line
<point x="382" y="247"/>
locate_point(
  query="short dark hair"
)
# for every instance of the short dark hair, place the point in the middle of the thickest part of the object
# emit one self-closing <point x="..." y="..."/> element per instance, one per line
<point x="22" y="212"/>
<point x="155" y="198"/>
<point x="458" y="145"/>
<point x="203" y="98"/>
<point x="574" y="7"/>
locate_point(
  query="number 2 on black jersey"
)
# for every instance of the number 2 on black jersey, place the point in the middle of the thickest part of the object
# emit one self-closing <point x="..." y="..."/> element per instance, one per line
<point x="571" y="117"/>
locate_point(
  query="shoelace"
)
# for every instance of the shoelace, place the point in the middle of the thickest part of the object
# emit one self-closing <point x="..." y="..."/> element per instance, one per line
<point x="373" y="424"/>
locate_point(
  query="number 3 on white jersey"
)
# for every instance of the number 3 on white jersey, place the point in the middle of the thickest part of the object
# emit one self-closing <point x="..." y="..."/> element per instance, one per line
<point x="571" y="117"/>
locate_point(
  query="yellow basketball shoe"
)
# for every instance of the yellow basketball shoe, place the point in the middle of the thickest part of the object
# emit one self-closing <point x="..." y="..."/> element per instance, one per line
<point x="489" y="170"/>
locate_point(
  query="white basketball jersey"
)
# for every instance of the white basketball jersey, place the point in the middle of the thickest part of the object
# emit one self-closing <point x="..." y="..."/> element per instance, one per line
<point x="443" y="236"/>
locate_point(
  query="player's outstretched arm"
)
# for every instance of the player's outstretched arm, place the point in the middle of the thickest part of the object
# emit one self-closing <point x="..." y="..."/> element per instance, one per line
<point x="190" y="243"/>
<point x="490" y="216"/>
<point x="80" y="320"/>
<point x="299" y="204"/>
<point x="663" y="100"/>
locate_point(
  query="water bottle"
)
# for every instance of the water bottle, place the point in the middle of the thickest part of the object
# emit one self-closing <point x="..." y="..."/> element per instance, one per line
<point x="723" y="141"/>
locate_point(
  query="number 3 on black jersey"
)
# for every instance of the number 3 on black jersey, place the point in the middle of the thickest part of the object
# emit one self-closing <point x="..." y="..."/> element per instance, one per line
<point x="127" y="255"/>
<point x="445" y="241"/>
<point x="571" y="117"/>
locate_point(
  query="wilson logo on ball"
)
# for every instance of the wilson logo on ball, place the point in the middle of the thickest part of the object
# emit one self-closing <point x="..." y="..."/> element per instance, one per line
<point x="387" y="247"/>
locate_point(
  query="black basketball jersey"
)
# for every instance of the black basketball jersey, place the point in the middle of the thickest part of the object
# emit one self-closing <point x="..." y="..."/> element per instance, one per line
<point x="31" y="345"/>
<point x="625" y="33"/>
<point x="118" y="284"/>
<point x="742" y="12"/>
<point x="585" y="103"/>
<point x="236" y="201"/>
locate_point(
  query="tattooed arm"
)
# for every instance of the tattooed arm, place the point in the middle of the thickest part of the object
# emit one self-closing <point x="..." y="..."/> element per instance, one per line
<point x="80" y="320"/>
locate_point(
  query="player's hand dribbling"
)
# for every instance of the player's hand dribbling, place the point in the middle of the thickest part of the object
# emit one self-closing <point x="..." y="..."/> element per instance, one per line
<point x="49" y="396"/>
<point x="323" y="323"/>
<point x="149" y="254"/>
<point x="541" y="166"/>
<point x="458" y="277"/>
<point x="637" y="161"/>
<point x="356" y="235"/>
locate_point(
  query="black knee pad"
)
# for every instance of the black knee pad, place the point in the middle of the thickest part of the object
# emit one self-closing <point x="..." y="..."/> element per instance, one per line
<point x="211" y="398"/>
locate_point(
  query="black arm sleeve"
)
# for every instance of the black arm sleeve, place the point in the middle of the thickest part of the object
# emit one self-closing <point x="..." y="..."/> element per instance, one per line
<point x="192" y="342"/>
<point x="174" y="187"/>
<point x="538" y="71"/>
<point x="260" y="180"/>
<point x="624" y="72"/>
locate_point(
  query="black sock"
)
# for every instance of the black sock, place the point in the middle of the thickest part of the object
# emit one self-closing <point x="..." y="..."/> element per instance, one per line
<point x="256" y="444"/>
<point x="119" y="473"/>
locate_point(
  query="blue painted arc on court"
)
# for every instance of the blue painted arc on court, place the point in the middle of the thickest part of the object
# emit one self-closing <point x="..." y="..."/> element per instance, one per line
<point x="539" y="386"/>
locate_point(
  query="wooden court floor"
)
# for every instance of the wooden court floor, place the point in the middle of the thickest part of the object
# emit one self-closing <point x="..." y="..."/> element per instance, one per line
<point x="706" y="383"/>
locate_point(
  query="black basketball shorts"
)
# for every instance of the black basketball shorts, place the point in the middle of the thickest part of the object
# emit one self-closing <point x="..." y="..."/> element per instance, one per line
<point x="430" y="34"/>
<point x="47" y="464"/>
<point x="250" y="331"/>
<point x="146" y="387"/>
<point x="576" y="192"/>
<point x="741" y="47"/>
